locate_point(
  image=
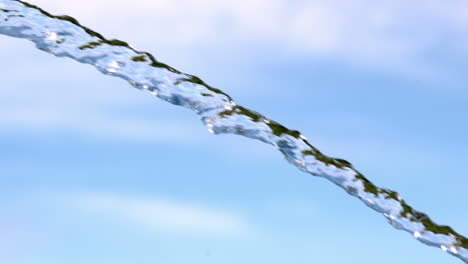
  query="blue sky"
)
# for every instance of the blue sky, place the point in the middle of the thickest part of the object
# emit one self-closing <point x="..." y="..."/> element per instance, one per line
<point x="95" y="171"/>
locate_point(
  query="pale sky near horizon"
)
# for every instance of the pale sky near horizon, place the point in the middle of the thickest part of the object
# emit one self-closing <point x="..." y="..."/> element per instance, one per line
<point x="94" y="171"/>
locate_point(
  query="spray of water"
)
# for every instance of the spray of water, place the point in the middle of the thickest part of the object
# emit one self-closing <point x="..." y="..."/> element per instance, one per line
<point x="63" y="36"/>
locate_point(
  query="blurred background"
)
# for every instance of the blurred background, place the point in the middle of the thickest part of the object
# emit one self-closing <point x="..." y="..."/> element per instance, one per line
<point x="94" y="171"/>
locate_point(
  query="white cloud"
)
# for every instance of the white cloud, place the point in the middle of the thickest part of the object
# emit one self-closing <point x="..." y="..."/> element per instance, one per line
<point x="387" y="33"/>
<point x="315" y="28"/>
<point x="162" y="215"/>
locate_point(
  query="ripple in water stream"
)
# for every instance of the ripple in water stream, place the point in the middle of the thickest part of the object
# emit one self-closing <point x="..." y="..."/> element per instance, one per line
<point x="63" y="36"/>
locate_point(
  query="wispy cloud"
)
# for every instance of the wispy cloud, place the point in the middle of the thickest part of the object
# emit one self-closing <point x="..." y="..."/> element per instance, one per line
<point x="163" y="215"/>
<point x="391" y="34"/>
<point x="85" y="108"/>
<point x="93" y="125"/>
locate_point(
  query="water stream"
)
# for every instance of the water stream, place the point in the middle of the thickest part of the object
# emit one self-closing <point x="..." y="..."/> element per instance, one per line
<point x="63" y="36"/>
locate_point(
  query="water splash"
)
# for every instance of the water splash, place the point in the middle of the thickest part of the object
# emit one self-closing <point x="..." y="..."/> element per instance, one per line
<point x="63" y="36"/>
